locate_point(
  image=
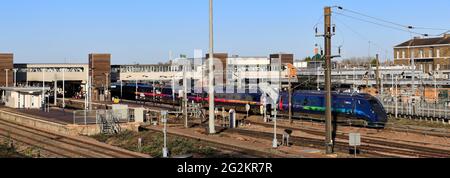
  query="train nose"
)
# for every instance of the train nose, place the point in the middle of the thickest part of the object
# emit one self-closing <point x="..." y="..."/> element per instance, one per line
<point x="384" y="118"/>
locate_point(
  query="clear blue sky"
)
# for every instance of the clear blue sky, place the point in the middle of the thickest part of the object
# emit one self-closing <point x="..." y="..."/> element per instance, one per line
<point x="53" y="31"/>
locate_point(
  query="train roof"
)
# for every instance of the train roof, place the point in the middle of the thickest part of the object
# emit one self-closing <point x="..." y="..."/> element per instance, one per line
<point x="354" y="94"/>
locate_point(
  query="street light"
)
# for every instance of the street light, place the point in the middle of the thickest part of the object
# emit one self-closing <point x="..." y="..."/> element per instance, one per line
<point x="43" y="88"/>
<point x="106" y="88"/>
<point x="212" y="129"/>
<point x="121" y="88"/>
<point x="136" y="96"/>
<point x="164" y="120"/>
<point x="153" y="87"/>
<point x="64" y="88"/>
<point x="15" y="77"/>
<point x="6" y="76"/>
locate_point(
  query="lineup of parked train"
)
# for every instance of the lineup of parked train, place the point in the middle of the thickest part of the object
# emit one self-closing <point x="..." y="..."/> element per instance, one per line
<point x="357" y="109"/>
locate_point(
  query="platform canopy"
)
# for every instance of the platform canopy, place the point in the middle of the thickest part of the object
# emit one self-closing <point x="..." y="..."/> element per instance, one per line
<point x="25" y="89"/>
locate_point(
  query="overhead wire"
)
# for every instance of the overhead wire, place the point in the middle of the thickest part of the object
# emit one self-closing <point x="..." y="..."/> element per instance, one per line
<point x="403" y="27"/>
<point x="360" y="35"/>
<point x="379" y="24"/>
<point x="390" y="22"/>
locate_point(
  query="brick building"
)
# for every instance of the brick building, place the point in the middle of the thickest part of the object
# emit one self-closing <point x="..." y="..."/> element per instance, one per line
<point x="6" y="69"/>
<point x="100" y="73"/>
<point x="429" y="54"/>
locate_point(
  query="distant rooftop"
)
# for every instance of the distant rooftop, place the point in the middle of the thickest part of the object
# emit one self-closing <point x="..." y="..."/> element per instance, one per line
<point x="24" y="89"/>
<point x="444" y="40"/>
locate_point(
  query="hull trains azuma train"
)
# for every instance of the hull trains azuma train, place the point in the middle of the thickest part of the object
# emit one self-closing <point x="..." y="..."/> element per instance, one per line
<point x="356" y="109"/>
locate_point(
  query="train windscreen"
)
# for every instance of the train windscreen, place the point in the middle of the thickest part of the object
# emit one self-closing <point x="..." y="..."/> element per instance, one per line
<point x="378" y="109"/>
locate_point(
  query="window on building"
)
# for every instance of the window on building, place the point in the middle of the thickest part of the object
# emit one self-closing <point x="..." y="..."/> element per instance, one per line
<point x="421" y="53"/>
<point x="438" y="53"/>
<point x="398" y="54"/>
<point x="430" y="53"/>
<point x="403" y="54"/>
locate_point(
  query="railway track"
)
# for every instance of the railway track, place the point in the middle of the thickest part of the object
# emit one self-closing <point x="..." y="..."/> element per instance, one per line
<point x="424" y="131"/>
<point x="408" y="129"/>
<point x="373" y="147"/>
<point x="77" y="104"/>
<point x="250" y="153"/>
<point x="62" y="145"/>
<point x="370" y="145"/>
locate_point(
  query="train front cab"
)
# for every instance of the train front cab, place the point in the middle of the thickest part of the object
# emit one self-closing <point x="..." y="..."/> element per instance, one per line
<point x="380" y="113"/>
<point x="371" y="110"/>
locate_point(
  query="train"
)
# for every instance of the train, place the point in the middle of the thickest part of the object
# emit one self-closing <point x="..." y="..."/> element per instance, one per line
<point x="357" y="109"/>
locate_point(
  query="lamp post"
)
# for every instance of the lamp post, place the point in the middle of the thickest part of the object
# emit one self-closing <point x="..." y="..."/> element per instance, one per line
<point x="64" y="88"/>
<point x="153" y="86"/>
<point x="154" y="90"/>
<point x="106" y="88"/>
<point x="86" y="95"/>
<point x="43" y="88"/>
<point x="173" y="89"/>
<point x="121" y="89"/>
<point x="6" y="81"/>
<point x="55" y="92"/>
<point x="15" y="77"/>
<point x="137" y="88"/>
<point x="275" y="140"/>
<point x="435" y="94"/>
<point x="91" y="85"/>
<point x="164" y="120"/>
<point x="212" y="129"/>
<point x="396" y="97"/>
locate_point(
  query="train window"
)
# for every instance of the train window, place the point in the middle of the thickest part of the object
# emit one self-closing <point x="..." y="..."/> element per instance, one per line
<point x="298" y="99"/>
<point x="305" y="102"/>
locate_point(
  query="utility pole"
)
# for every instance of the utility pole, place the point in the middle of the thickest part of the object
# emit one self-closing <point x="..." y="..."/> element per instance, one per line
<point x="185" y="99"/>
<point x="212" y="129"/>
<point x="413" y="83"/>
<point x="55" y="92"/>
<point x="121" y="89"/>
<point x="318" y="78"/>
<point x="43" y="88"/>
<point x="377" y="73"/>
<point x="86" y="90"/>
<point x="64" y="89"/>
<point x="15" y="77"/>
<point x="290" y="96"/>
<point x="328" y="112"/>
<point x="91" y="84"/>
<point x="396" y="97"/>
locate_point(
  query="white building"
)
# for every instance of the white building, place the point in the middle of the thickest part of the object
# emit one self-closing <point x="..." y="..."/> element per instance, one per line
<point x="23" y="98"/>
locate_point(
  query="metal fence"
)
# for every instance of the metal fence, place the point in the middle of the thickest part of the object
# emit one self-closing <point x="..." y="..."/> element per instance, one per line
<point x="418" y="110"/>
<point x="89" y="117"/>
<point x="85" y="117"/>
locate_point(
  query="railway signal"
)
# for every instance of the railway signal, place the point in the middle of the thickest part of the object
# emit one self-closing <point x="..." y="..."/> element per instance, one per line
<point x="274" y="96"/>
<point x="164" y="120"/>
<point x="355" y="141"/>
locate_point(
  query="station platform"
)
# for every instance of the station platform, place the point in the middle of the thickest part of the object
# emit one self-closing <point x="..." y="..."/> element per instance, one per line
<point x="79" y="103"/>
<point x="56" y="115"/>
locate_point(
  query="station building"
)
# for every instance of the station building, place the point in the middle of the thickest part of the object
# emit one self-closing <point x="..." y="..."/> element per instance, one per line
<point x="23" y="98"/>
<point x="97" y="74"/>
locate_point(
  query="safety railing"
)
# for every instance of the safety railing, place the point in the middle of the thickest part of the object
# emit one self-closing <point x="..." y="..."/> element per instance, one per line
<point x="85" y="117"/>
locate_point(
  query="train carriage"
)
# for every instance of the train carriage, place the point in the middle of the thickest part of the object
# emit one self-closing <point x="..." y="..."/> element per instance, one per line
<point x="357" y="109"/>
